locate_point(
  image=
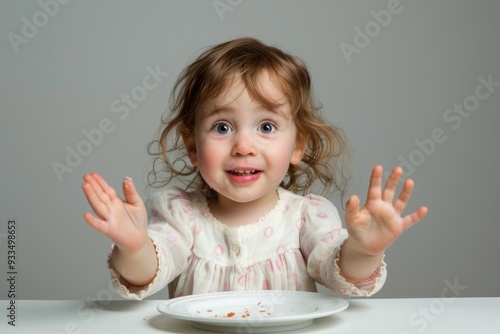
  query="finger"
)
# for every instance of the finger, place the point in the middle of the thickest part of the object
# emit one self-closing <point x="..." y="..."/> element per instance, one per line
<point x="95" y="201"/>
<point x="374" y="189"/>
<point x="351" y="209"/>
<point x="96" y="187"/>
<point x="391" y="184"/>
<point x="97" y="224"/>
<point x="130" y="193"/>
<point x="106" y="189"/>
<point x="404" y="196"/>
<point x="104" y="192"/>
<point x="412" y="219"/>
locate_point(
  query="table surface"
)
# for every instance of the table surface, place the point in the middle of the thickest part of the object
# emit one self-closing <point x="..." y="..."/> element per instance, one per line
<point x="370" y="315"/>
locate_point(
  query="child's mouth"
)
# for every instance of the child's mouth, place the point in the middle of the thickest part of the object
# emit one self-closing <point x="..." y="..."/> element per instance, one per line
<point x="243" y="172"/>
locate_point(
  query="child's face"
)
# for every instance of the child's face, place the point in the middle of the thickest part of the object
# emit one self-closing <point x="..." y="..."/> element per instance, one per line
<point x="243" y="149"/>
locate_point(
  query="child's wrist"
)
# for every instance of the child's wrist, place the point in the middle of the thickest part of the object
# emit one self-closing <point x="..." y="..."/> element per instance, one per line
<point x="357" y="265"/>
<point x="353" y="247"/>
<point x="144" y="248"/>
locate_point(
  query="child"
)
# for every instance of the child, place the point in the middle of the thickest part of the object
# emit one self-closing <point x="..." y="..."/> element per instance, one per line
<point x="249" y="138"/>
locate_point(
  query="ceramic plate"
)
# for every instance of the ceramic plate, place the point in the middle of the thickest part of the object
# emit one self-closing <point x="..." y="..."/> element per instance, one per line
<point x="253" y="311"/>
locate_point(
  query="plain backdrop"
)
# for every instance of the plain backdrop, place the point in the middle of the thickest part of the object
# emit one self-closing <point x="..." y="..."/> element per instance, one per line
<point x="398" y="76"/>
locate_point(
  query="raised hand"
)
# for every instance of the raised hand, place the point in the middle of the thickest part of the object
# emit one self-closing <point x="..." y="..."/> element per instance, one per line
<point x="374" y="227"/>
<point x="123" y="221"/>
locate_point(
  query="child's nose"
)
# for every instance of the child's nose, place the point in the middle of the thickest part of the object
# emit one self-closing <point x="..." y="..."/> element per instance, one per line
<point x="243" y="144"/>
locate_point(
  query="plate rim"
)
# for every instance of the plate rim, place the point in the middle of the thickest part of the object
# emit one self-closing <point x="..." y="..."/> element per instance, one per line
<point x="342" y="305"/>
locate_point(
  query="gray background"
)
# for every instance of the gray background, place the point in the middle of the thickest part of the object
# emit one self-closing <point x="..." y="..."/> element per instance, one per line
<point x="392" y="92"/>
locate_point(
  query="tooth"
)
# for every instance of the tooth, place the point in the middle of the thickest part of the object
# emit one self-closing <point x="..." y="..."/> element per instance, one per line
<point x="244" y="172"/>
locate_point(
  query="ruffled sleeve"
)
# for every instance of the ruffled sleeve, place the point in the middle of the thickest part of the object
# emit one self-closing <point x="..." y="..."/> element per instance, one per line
<point x="170" y="215"/>
<point x="321" y="238"/>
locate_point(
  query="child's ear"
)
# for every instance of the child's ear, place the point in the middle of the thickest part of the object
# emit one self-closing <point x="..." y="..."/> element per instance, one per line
<point x="190" y="144"/>
<point x="299" y="150"/>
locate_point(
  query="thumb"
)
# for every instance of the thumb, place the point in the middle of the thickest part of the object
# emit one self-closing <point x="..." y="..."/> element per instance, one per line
<point x="130" y="193"/>
<point x="351" y="209"/>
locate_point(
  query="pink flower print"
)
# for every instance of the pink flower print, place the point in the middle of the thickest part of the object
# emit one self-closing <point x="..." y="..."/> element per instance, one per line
<point x="265" y="285"/>
<point x="171" y="237"/>
<point x="314" y="203"/>
<point x="328" y="238"/>
<point x="280" y="249"/>
<point x="268" y="231"/>
<point x="219" y="250"/>
<point x="312" y="197"/>
<point x="285" y="208"/>
<point x="154" y="213"/>
<point x="322" y="215"/>
<point x="336" y="230"/>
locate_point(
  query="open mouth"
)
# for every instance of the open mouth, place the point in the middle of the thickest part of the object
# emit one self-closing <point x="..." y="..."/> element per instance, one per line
<point x="243" y="172"/>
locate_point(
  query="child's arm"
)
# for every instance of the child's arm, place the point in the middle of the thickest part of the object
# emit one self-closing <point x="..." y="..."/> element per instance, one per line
<point x="125" y="223"/>
<point x="373" y="228"/>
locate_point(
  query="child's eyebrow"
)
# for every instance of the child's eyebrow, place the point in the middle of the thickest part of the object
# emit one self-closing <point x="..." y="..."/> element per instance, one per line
<point x="214" y="110"/>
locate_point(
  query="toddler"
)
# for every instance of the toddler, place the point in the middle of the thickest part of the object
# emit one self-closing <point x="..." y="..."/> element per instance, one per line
<point x="246" y="142"/>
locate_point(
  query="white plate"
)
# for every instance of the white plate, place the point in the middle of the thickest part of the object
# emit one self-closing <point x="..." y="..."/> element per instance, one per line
<point x="253" y="311"/>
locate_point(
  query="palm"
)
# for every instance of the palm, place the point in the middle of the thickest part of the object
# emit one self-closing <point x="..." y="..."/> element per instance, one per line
<point x="374" y="227"/>
<point x="124" y="222"/>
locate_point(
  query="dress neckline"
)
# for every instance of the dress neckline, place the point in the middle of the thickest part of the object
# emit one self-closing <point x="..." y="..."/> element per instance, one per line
<point x="243" y="229"/>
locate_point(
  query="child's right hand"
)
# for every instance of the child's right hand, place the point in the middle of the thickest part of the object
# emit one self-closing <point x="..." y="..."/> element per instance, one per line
<point x="123" y="221"/>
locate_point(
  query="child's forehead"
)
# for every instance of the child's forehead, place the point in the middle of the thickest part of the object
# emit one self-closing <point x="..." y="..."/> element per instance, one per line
<point x="266" y="90"/>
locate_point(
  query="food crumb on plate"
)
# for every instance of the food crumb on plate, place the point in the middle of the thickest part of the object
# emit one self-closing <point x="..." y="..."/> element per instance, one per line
<point x="245" y="314"/>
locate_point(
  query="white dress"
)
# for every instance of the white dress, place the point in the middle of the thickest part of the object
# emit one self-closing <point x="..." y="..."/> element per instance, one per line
<point x="292" y="247"/>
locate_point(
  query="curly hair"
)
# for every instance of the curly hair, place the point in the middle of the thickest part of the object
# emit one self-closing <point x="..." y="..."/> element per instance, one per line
<point x="247" y="59"/>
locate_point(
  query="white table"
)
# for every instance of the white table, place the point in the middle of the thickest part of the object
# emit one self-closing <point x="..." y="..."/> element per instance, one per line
<point x="388" y="316"/>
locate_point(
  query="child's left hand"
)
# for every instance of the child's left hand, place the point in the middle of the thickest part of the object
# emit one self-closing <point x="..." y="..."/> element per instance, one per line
<point x="374" y="227"/>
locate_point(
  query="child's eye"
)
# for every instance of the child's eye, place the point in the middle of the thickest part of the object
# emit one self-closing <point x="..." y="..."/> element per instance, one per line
<point x="267" y="128"/>
<point x="222" y="128"/>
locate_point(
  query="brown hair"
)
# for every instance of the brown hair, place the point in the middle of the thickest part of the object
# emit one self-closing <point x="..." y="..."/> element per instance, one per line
<point x="247" y="59"/>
